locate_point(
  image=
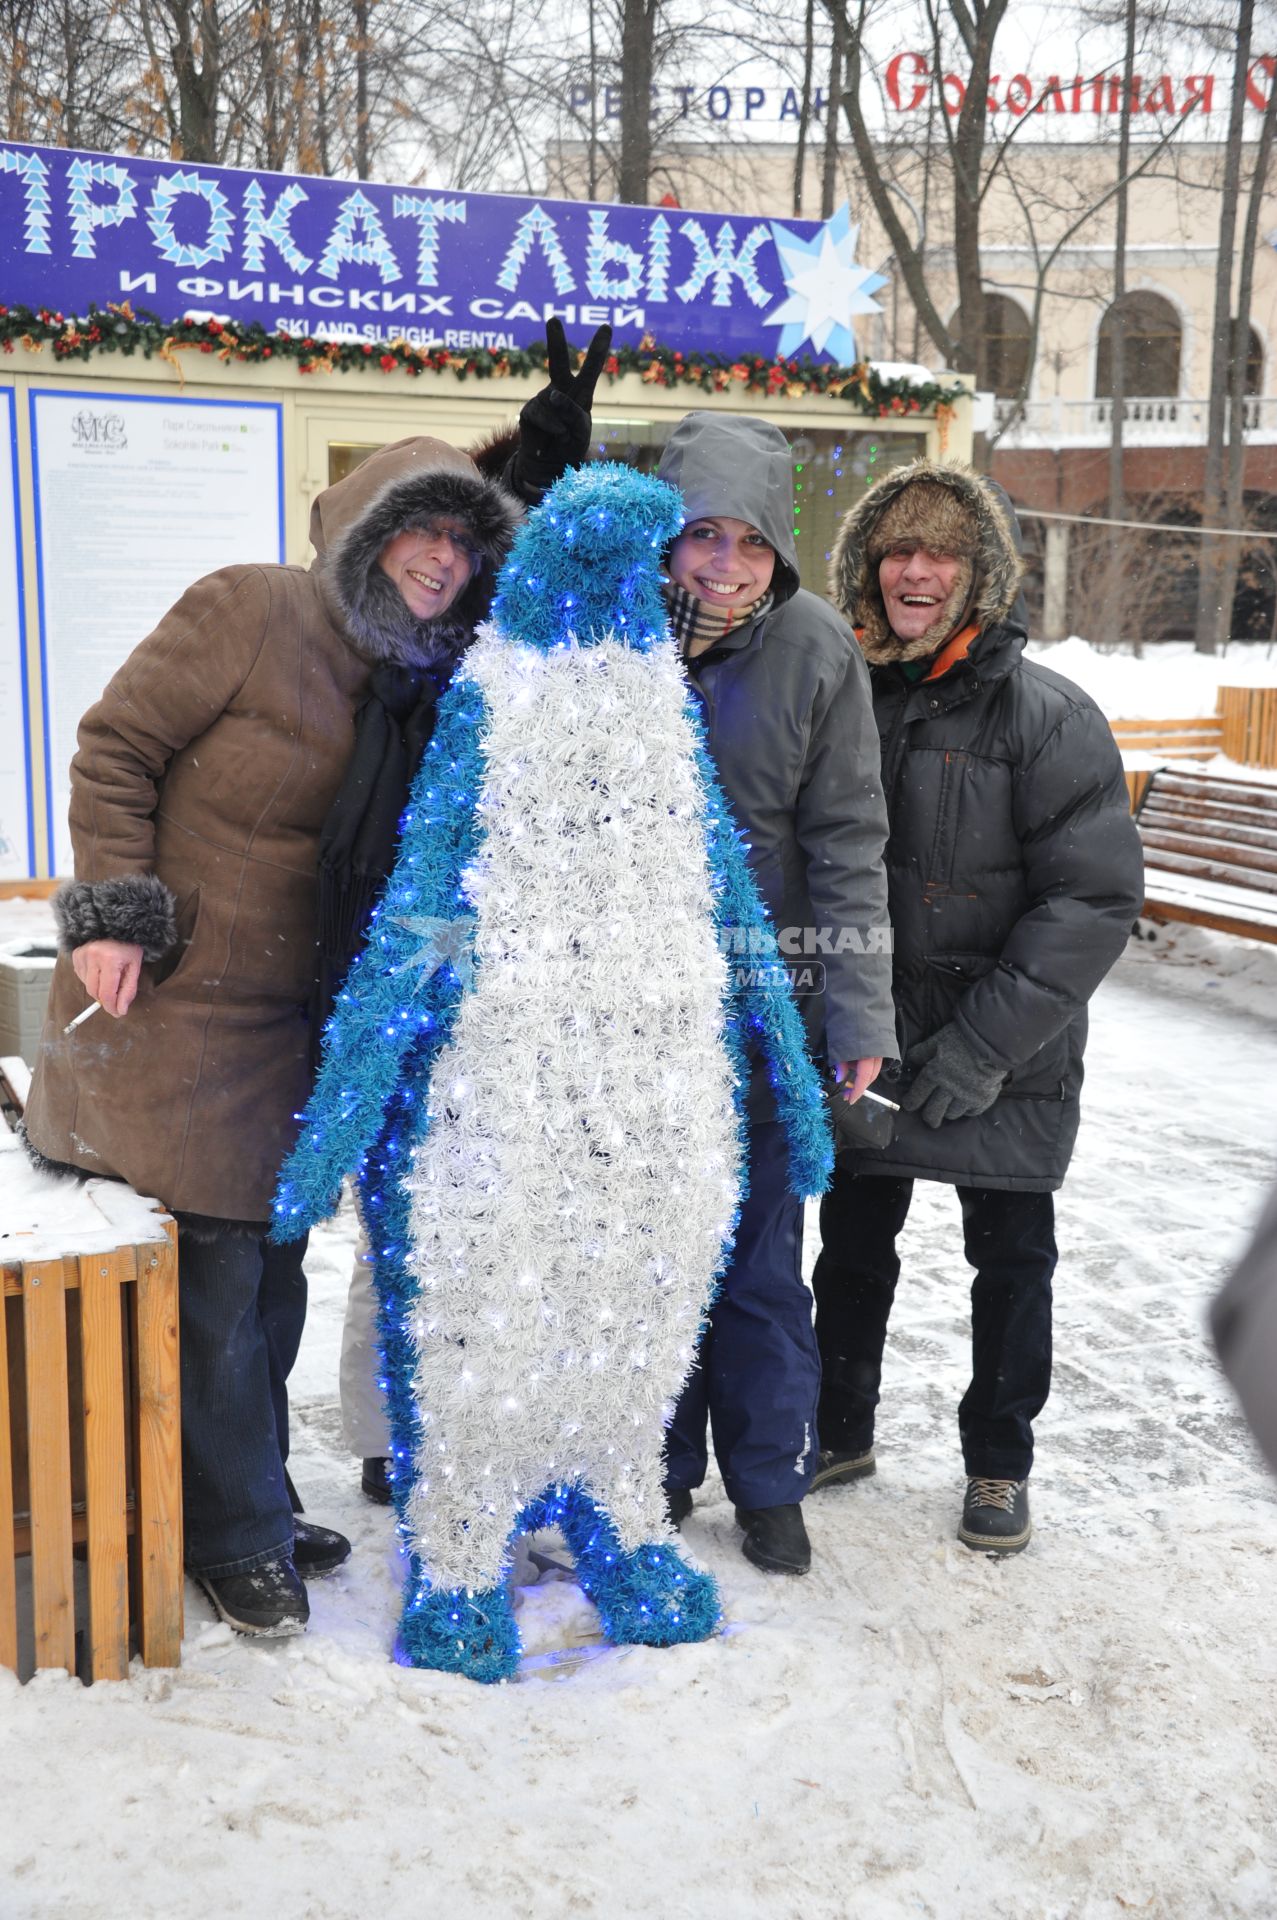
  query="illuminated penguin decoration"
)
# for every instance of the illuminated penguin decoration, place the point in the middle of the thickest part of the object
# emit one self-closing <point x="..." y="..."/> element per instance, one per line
<point x="538" y="1065"/>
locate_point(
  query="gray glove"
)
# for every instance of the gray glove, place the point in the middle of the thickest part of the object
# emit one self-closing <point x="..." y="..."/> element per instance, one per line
<point x="951" y="1082"/>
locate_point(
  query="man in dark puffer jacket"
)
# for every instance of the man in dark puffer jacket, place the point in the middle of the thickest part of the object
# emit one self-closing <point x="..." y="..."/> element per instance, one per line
<point x="1014" y="874"/>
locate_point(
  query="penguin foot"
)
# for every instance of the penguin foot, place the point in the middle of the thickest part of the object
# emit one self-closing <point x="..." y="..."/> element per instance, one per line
<point x="649" y="1598"/>
<point x="455" y="1631"/>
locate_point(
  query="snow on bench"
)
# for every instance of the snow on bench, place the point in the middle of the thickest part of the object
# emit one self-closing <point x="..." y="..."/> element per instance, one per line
<point x="1210" y="847"/>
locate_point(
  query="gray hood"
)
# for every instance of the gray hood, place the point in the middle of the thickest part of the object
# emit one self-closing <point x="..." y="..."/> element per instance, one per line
<point x="735" y="465"/>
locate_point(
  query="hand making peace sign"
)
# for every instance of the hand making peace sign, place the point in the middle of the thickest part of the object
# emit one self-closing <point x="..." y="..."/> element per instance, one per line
<point x="555" y="425"/>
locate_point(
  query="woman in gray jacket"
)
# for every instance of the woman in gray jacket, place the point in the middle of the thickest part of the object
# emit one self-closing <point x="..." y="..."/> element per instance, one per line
<point x="789" y="722"/>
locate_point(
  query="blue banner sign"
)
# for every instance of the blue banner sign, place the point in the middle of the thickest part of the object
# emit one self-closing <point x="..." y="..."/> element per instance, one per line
<point x="336" y="259"/>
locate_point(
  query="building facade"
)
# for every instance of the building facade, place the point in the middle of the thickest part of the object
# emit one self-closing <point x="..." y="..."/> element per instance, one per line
<point x="1048" y="257"/>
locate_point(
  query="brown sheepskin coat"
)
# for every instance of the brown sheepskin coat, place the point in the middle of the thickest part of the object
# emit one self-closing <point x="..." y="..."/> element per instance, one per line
<point x="203" y="778"/>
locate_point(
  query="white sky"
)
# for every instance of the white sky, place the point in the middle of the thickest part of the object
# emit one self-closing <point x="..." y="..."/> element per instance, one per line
<point x="1036" y="41"/>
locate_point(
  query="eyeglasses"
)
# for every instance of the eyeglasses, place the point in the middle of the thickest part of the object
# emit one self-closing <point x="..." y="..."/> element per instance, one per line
<point x="460" y="537"/>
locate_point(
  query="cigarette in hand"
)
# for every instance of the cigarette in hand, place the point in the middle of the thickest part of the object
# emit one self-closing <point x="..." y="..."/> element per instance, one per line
<point x="879" y="1099"/>
<point x="94" y="1006"/>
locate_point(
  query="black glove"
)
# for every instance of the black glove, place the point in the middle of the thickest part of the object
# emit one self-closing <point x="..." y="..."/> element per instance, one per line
<point x="951" y="1081"/>
<point x="555" y="425"/>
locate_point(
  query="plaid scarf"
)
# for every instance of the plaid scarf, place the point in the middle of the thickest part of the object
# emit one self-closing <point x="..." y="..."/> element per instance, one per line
<point x="698" y="625"/>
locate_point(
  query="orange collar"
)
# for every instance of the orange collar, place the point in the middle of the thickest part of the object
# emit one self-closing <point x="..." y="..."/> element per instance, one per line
<point x="952" y="651"/>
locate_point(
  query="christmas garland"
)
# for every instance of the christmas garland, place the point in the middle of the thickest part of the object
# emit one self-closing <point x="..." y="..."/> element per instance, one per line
<point x="121" y="329"/>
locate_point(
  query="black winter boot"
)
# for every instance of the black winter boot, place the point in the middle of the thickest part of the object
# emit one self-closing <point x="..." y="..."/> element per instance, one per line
<point x="678" y="1504"/>
<point x="833" y="1468"/>
<point x="775" y="1538"/>
<point x="995" y="1516"/>
<point x="317" y="1549"/>
<point x="268" y="1601"/>
<point x="375" y="1481"/>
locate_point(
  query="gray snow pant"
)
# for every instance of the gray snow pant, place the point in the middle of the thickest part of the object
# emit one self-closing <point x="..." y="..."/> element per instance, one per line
<point x="363" y="1414"/>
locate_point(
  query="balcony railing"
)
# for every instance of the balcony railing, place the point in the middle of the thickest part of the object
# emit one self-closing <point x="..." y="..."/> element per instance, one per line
<point x="1147" y="422"/>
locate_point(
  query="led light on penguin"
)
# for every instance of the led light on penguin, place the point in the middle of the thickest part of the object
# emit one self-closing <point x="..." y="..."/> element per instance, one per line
<point x="538" y="1065"/>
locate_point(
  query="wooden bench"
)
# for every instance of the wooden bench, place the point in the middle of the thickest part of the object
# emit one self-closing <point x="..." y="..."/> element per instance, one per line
<point x="1195" y="739"/>
<point x="1210" y="851"/>
<point x="90" y="1448"/>
<point x="1149" y="744"/>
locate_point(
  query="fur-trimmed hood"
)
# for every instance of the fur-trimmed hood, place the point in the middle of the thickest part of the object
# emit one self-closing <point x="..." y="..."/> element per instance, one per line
<point x="401" y="487"/>
<point x="981" y="504"/>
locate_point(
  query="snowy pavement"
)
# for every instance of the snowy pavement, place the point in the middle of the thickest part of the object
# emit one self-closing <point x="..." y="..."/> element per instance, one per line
<point x="1084" y="1732"/>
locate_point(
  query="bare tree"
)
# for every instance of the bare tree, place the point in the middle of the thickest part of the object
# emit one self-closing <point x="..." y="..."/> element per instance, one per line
<point x="1142" y="584"/>
<point x="804" y="111"/>
<point x="1117" y="492"/>
<point x="331" y="86"/>
<point x="957" y="170"/>
<point x="185" y="42"/>
<point x="964" y="343"/>
<point x="66" y="69"/>
<point x="638" y="66"/>
<point x="1116" y="563"/>
<point x="1212" y="614"/>
<point x="1234" y="495"/>
<point x="837" y="81"/>
<point x="659" y="109"/>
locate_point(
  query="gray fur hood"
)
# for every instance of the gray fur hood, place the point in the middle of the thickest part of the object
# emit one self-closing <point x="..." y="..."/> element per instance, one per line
<point x="401" y="487"/>
<point x="853" y="577"/>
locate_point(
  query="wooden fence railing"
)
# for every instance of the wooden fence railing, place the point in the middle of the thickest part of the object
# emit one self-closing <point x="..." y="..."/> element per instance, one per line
<point x="1194" y="739"/>
<point x="1248" y="722"/>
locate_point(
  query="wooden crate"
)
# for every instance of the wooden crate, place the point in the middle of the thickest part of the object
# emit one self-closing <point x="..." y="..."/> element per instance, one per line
<point x="90" y="1456"/>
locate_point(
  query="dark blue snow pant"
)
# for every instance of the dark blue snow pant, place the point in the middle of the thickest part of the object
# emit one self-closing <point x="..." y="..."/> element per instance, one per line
<point x="758" y="1373"/>
<point x="242" y="1306"/>
<point x="1009" y="1239"/>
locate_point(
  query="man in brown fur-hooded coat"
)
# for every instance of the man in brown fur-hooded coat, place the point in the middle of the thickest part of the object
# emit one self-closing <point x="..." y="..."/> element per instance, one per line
<point x="1014" y="875"/>
<point x="238" y="782"/>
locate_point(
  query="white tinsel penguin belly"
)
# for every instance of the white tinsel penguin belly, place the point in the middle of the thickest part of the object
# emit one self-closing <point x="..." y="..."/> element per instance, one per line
<point x="572" y="1198"/>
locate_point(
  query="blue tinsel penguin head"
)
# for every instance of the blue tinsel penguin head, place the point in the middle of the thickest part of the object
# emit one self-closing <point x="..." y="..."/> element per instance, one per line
<point x="586" y="564"/>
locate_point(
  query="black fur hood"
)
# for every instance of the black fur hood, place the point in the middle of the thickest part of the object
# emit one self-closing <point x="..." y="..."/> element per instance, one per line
<point x="400" y="488"/>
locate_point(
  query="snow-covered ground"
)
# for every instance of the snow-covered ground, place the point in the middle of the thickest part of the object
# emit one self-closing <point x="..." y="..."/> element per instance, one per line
<point x="1168" y="681"/>
<point x="1082" y="1733"/>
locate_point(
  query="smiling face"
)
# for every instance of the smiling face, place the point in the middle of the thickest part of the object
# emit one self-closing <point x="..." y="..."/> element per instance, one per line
<point x="916" y="585"/>
<point x="725" y="562"/>
<point x="432" y="568"/>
